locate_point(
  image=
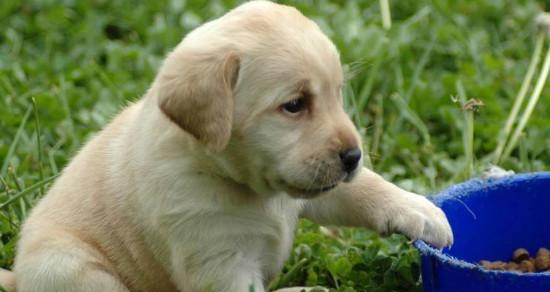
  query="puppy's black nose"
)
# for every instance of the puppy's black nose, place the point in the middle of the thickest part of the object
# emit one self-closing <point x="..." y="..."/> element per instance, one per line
<point x="350" y="159"/>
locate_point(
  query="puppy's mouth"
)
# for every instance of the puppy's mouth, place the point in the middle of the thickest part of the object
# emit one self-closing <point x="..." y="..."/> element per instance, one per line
<point x="298" y="192"/>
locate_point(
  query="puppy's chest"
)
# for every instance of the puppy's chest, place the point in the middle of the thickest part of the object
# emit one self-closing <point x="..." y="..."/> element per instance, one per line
<point x="264" y="233"/>
<point x="259" y="233"/>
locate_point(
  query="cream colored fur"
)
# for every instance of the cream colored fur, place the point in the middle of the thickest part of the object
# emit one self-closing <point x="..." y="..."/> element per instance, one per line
<point x="199" y="185"/>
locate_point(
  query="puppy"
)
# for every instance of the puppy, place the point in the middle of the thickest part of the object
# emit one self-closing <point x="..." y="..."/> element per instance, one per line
<point x="199" y="185"/>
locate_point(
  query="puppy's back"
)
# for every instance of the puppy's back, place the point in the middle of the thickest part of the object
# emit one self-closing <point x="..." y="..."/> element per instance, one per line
<point x="86" y="208"/>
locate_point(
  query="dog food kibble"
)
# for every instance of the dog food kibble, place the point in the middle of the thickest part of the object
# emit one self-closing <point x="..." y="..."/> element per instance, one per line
<point x="520" y="254"/>
<point x="542" y="261"/>
<point x="527" y="266"/>
<point x="522" y="262"/>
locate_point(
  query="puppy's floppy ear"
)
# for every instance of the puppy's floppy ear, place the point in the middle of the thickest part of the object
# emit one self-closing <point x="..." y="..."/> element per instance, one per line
<point x="195" y="90"/>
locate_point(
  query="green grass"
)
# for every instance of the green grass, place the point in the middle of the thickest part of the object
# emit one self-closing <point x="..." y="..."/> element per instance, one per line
<point x="66" y="67"/>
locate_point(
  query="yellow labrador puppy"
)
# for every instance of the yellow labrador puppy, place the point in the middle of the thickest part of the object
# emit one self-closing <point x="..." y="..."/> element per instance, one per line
<point x="199" y="185"/>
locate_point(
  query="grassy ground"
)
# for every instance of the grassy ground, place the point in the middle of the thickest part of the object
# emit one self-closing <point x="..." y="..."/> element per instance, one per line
<point x="66" y="67"/>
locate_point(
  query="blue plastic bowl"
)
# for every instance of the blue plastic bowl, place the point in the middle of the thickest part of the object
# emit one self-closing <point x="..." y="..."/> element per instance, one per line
<point x="490" y="219"/>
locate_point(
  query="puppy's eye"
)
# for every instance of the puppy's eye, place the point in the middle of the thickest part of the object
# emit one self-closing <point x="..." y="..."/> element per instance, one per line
<point x="294" y="106"/>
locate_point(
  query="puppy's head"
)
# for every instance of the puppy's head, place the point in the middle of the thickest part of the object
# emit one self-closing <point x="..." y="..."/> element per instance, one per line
<point x="261" y="87"/>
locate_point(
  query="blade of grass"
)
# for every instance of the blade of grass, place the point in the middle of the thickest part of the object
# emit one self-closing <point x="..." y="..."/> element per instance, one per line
<point x="432" y="174"/>
<point x="38" y="142"/>
<point x="504" y="134"/>
<point x="106" y="80"/>
<point x="28" y="191"/>
<point x="417" y="17"/>
<point x="469" y="144"/>
<point x="51" y="160"/>
<point x="75" y="140"/>
<point x="420" y="67"/>
<point x="5" y="187"/>
<point x="533" y="99"/>
<point x="287" y="277"/>
<point x="10" y="211"/>
<point x="468" y="132"/>
<point x="386" y="14"/>
<point x="408" y="114"/>
<point x="13" y="146"/>
<point x="6" y="84"/>
<point x="523" y="157"/>
<point x="378" y="123"/>
<point x="352" y="108"/>
<point x="366" y="89"/>
<point x="23" y="203"/>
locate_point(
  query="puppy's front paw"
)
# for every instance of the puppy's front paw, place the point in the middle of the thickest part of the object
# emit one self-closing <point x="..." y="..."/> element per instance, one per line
<point x="418" y="218"/>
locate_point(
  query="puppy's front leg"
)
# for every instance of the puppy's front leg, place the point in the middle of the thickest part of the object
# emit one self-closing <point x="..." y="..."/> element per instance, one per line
<point x="372" y="202"/>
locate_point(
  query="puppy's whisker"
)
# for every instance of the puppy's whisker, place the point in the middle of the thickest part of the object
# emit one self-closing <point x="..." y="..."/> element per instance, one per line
<point x="312" y="182"/>
<point x="324" y="179"/>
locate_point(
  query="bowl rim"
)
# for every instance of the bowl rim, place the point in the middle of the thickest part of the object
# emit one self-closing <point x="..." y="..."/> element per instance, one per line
<point x="460" y="190"/>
